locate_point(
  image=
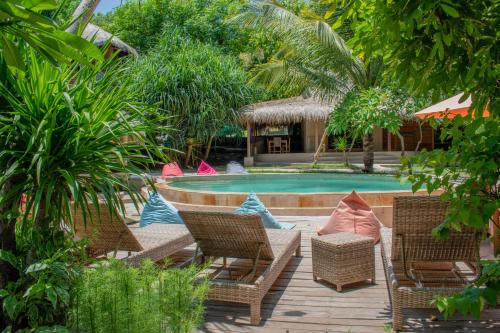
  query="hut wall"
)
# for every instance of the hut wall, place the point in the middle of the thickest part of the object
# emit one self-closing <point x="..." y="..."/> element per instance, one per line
<point x="311" y="135"/>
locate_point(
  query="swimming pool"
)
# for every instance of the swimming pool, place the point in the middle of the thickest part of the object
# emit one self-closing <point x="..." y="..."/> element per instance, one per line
<point x="308" y="194"/>
<point x="293" y="183"/>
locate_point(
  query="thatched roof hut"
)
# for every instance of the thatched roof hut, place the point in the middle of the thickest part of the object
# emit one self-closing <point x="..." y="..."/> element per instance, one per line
<point x="288" y="110"/>
<point x="100" y="37"/>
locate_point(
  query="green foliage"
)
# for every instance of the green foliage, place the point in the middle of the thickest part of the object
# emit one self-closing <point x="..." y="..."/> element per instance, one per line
<point x="468" y="171"/>
<point x="198" y="87"/>
<point x="116" y="298"/>
<point x="360" y="112"/>
<point x="138" y="23"/>
<point x="438" y="46"/>
<point x="441" y="47"/>
<point x="60" y="131"/>
<point x="61" y="135"/>
<point x="47" y="273"/>
<point x="313" y="57"/>
<point x="24" y="21"/>
<point x="473" y="300"/>
<point x="141" y="23"/>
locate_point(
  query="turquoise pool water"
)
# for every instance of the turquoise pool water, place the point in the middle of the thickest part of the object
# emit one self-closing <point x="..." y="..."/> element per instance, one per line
<point x="293" y="183"/>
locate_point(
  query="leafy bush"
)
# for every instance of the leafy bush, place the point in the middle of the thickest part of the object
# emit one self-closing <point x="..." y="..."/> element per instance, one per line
<point x="60" y="143"/>
<point x="47" y="272"/>
<point x="198" y="86"/>
<point x="114" y="297"/>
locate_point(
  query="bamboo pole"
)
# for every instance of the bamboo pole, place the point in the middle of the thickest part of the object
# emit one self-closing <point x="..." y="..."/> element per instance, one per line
<point x="318" y="149"/>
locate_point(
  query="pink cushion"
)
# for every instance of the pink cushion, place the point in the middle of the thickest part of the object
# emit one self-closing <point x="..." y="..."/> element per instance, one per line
<point x="205" y="169"/>
<point x="354" y="215"/>
<point x="171" y="170"/>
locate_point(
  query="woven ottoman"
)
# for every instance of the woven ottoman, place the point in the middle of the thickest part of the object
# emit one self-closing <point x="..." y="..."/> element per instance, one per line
<point x="343" y="258"/>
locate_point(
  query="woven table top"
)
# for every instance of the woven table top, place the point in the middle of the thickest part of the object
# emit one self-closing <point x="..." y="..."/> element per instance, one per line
<point x="343" y="238"/>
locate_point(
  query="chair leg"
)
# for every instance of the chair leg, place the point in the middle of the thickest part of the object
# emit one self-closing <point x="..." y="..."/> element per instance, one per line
<point x="255" y="313"/>
<point x="298" y="252"/>
<point x="397" y="317"/>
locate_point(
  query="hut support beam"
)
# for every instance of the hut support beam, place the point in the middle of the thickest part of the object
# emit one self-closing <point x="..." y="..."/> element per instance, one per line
<point x="319" y="148"/>
<point x="249" y="140"/>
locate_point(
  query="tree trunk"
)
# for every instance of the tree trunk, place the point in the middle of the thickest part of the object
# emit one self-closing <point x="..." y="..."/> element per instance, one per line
<point x="420" y="133"/>
<point x="368" y="156"/>
<point x="318" y="150"/>
<point x="402" y="141"/>
<point x="189" y="152"/>
<point x="82" y="15"/>
<point x="209" y="146"/>
<point x="349" y="151"/>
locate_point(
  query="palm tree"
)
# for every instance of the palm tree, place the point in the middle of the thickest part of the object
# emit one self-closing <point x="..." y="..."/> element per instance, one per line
<point x="314" y="58"/>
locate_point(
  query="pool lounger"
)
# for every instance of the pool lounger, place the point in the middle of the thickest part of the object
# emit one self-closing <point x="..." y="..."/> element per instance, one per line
<point x="240" y="237"/>
<point x="109" y="233"/>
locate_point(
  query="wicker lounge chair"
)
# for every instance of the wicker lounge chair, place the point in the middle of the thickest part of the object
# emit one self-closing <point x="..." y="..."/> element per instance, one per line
<point x="109" y="233"/>
<point x="419" y="267"/>
<point x="242" y="237"/>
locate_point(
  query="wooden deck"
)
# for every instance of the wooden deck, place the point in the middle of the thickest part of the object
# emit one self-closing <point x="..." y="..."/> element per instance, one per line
<point x="298" y="304"/>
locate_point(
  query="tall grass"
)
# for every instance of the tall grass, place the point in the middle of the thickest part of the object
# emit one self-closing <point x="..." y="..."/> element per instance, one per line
<point x="117" y="298"/>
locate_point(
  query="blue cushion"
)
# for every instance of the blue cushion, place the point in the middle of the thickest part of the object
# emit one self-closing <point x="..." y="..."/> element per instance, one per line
<point x="159" y="210"/>
<point x="253" y="205"/>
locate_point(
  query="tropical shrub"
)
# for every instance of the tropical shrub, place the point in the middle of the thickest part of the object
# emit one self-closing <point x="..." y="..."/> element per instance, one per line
<point x="197" y="86"/>
<point x="47" y="272"/>
<point x="60" y="138"/>
<point x="24" y="20"/>
<point x="115" y="298"/>
<point x="444" y="47"/>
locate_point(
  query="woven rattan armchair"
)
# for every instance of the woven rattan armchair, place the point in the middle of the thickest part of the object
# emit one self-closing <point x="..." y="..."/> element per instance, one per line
<point x="418" y="266"/>
<point x="108" y="232"/>
<point x="258" y="255"/>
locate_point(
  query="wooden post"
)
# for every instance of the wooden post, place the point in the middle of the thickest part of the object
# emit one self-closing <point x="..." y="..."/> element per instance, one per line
<point x="316" y="135"/>
<point x="318" y="149"/>
<point x="249" y="140"/>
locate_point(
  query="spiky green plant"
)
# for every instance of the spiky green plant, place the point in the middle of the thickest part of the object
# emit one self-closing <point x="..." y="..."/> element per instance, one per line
<point x="61" y="133"/>
<point x="116" y="298"/>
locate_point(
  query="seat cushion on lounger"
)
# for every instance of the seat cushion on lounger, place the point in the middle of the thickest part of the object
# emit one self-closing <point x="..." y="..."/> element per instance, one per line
<point x="354" y="215"/>
<point x="159" y="210"/>
<point x="253" y="205"/>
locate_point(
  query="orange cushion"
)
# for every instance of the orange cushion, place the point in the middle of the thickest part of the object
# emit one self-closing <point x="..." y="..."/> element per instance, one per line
<point x="354" y="215"/>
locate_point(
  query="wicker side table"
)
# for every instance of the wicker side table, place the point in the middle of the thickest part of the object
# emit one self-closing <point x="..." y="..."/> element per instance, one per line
<point x="343" y="258"/>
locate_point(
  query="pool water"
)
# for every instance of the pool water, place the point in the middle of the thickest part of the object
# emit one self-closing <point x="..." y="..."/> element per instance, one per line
<point x="293" y="183"/>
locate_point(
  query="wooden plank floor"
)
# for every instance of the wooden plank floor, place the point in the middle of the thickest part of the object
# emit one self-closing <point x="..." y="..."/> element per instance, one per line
<point x="298" y="304"/>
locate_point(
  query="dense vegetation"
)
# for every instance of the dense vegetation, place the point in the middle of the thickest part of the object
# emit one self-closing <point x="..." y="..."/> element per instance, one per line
<point x="198" y="87"/>
<point x="64" y="111"/>
<point x="444" y="47"/>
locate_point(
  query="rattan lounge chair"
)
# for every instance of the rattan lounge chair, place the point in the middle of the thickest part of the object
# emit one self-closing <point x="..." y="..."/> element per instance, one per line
<point x="419" y="267"/>
<point x="109" y="233"/>
<point x="241" y="237"/>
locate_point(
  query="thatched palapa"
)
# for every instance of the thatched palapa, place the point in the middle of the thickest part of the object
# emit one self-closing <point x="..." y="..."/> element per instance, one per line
<point x="100" y="37"/>
<point x="288" y="110"/>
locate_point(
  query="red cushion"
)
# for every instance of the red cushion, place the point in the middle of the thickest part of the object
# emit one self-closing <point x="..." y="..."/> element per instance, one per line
<point x="171" y="170"/>
<point x="205" y="169"/>
<point x="354" y="215"/>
